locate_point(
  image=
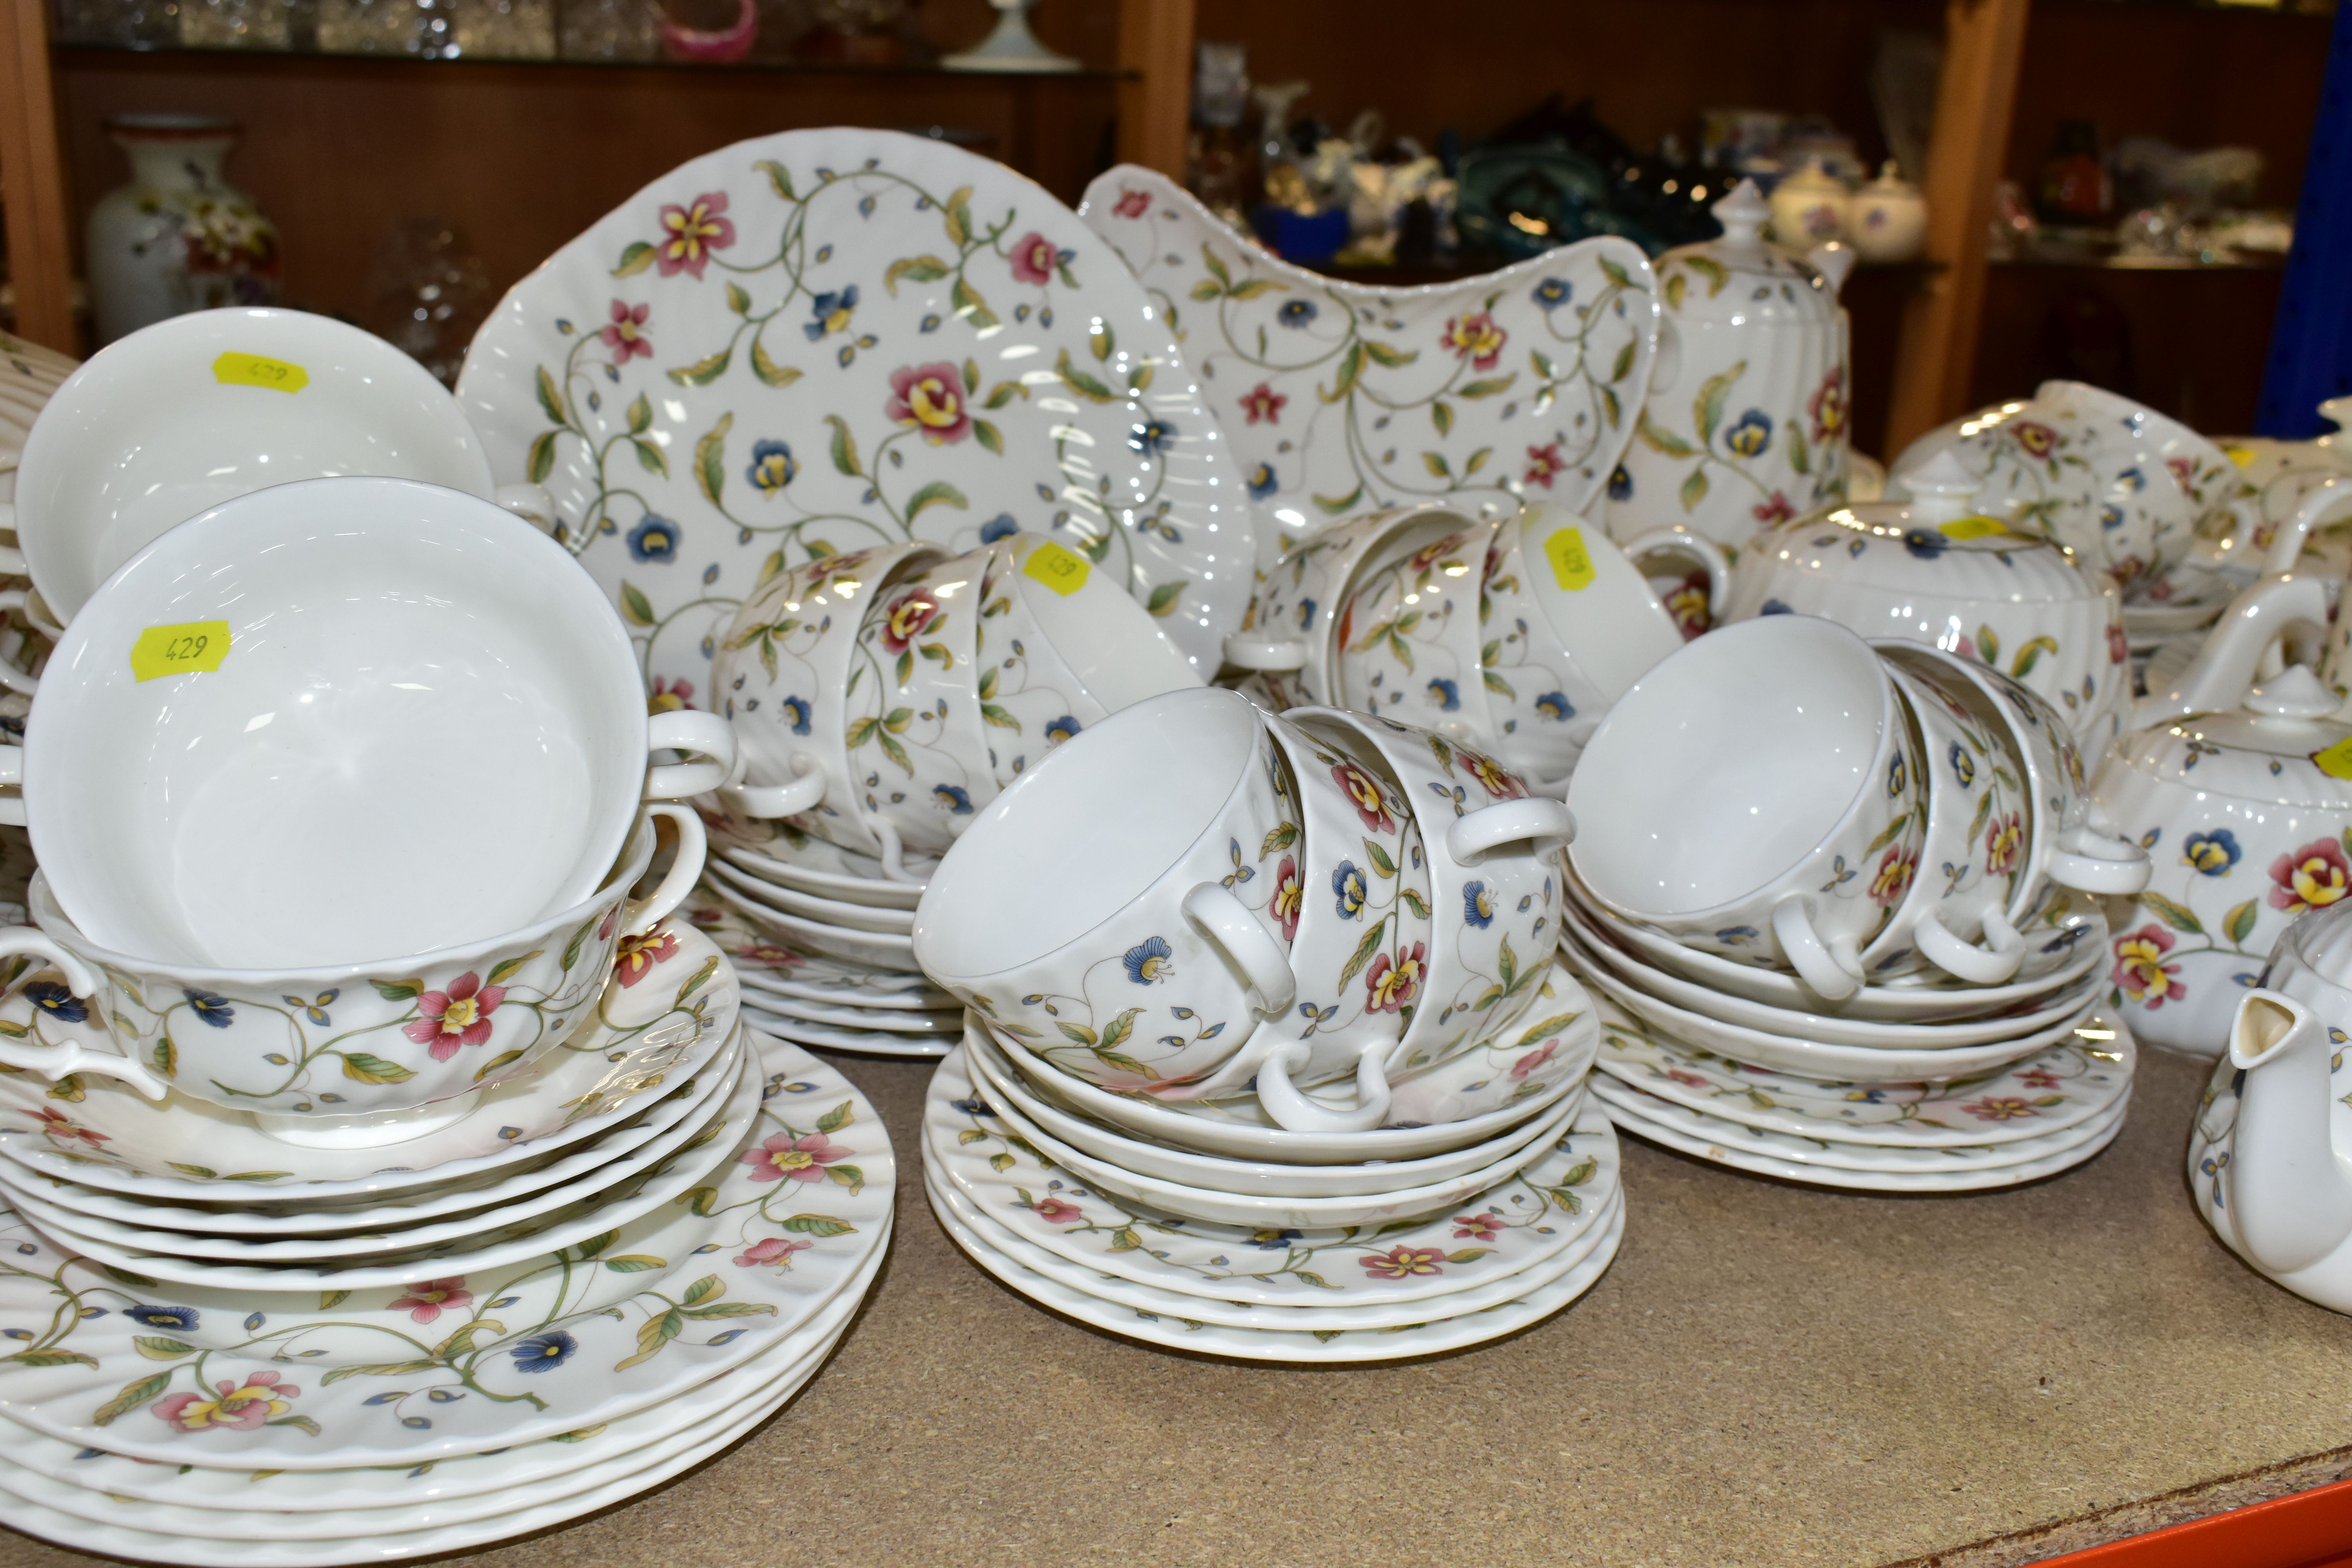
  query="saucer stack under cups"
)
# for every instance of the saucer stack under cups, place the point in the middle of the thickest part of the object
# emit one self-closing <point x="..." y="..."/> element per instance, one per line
<point x="365" y="1116"/>
<point x="881" y="700"/>
<point x="1267" y="1053"/>
<point x="1837" y="903"/>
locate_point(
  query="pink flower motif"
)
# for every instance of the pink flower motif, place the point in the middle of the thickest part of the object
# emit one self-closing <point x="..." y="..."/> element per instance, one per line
<point x="670" y="696"/>
<point x="625" y="333"/>
<point x="1034" y="258"/>
<point x="2140" y="971"/>
<point x="1390" y="983"/>
<point x="2311" y="878"/>
<point x="2118" y="646"/>
<point x="636" y="957"/>
<point x="1497" y="781"/>
<point x="691" y="233"/>
<point x="765" y="956"/>
<point x="59" y="1127"/>
<point x="1543" y="462"/>
<point x="907" y="617"/>
<point x="1475" y="338"/>
<point x="2184" y="473"/>
<point x="1262" y="402"/>
<point x="2039" y="440"/>
<point x="240" y="1407"/>
<point x="1132" y="202"/>
<point x="2038" y="1077"/>
<point x="801" y="1158"/>
<point x="1687" y="1080"/>
<point x="1777" y="510"/>
<point x="1289" y="895"/>
<point x="427" y="1301"/>
<point x="458" y="1016"/>
<point x="2000" y="1107"/>
<point x="612" y="919"/>
<point x="931" y="398"/>
<point x="1404" y="1262"/>
<point x="1476" y="1226"/>
<point x="1534" y="1058"/>
<point x="775" y="1251"/>
<point x="1056" y="1211"/>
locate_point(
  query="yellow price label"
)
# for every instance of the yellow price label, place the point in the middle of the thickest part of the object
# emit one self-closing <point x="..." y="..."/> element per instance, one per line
<point x="2242" y="456"/>
<point x="1057" y="568"/>
<point x="191" y="646"/>
<point x="252" y="370"/>
<point x="1571" y="563"/>
<point x="1978" y="527"/>
<point x="2336" y="761"/>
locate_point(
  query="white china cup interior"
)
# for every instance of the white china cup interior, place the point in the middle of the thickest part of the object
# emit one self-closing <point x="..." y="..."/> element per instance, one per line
<point x="1084" y="834"/>
<point x="1725" y="766"/>
<point x="1109" y="640"/>
<point x="428" y="728"/>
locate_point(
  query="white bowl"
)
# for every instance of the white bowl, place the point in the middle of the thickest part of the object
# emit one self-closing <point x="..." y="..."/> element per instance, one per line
<point x="410" y="722"/>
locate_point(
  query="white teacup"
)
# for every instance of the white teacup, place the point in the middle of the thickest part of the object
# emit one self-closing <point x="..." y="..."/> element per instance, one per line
<point x="1407" y="643"/>
<point x="1111" y="910"/>
<point x="178" y="417"/>
<point x="1756" y="793"/>
<point x="337" y="721"/>
<point x="917" y="743"/>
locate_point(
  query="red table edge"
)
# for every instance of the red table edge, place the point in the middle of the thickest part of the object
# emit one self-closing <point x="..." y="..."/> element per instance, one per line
<point x="2305" y="1530"/>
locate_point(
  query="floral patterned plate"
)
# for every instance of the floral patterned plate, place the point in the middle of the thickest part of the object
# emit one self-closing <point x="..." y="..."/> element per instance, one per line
<point x="616" y="1324"/>
<point x="878" y="950"/>
<point x="1324" y="1346"/>
<point x="769" y="998"/>
<point x="795" y="971"/>
<point x="1968" y="1181"/>
<point x="101" y="1133"/>
<point x="1599" y="1213"/>
<point x="2069" y="1084"/>
<point x="252" y="1264"/>
<point x="1648" y="1110"/>
<point x="871" y="1042"/>
<point x="820" y="339"/>
<point x="1514" y="1225"/>
<point x="1340" y="397"/>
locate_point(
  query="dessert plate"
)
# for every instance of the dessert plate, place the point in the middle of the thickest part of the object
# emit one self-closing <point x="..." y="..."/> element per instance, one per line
<point x="1513" y="1225"/>
<point x="1340" y="397"/>
<point x="820" y="867"/>
<point x="1324" y="1346"/>
<point x="2066" y="1086"/>
<point x="872" y="1042"/>
<point x="881" y="950"/>
<point x="811" y="906"/>
<point x="948" y="1021"/>
<point x="669" y="1010"/>
<point x="563" y="1340"/>
<point x="821" y="340"/>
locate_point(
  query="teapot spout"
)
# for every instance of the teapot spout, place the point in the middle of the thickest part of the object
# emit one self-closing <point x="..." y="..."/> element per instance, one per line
<point x="2290" y="1195"/>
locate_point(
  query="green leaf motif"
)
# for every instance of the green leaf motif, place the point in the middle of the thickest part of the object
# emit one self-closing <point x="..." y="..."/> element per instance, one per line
<point x="1441" y="414"/>
<point x="1281" y="836"/>
<point x="650" y="457"/>
<point x="131" y="1395"/>
<point x="55" y="1357"/>
<point x="836" y="1119"/>
<point x="2177" y="916"/>
<point x="542" y="457"/>
<point x="988" y="435"/>
<point x="635" y="260"/>
<point x="362" y="1067"/>
<point x="711" y="460"/>
<point x="702" y="371"/>
<point x="550" y="402"/>
<point x="656" y="1332"/>
<point x="635" y="1263"/>
<point x="1383" y="354"/>
<point x="916" y="268"/>
<point x="1164" y="598"/>
<point x="2240" y="923"/>
<point x="779" y="178"/>
<point x="1693" y="489"/>
<point x="1707" y="408"/>
<point x="1351" y="365"/>
<point x="505" y="1058"/>
<point x="844" y="448"/>
<point x="820" y="1225"/>
<point x="767" y="370"/>
<point x="1487" y="387"/>
<point x="939" y="492"/>
<point x="636" y="608"/>
<point x="1081" y="383"/>
<point x="1663" y="441"/>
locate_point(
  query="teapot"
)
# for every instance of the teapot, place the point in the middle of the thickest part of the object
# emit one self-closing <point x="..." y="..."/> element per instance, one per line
<point x="1747" y="421"/>
<point x="2245" y="817"/>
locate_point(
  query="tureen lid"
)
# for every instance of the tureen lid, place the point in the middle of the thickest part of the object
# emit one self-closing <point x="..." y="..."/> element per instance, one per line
<point x="2284" y="745"/>
<point x="1740" y="280"/>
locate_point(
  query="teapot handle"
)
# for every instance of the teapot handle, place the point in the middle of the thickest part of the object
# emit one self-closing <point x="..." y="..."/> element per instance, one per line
<point x="2218" y="678"/>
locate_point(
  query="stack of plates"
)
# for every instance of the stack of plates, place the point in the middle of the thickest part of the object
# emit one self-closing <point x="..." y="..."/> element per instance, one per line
<point x="820" y="940"/>
<point x="1201" y="1226"/>
<point x="270" y="1348"/>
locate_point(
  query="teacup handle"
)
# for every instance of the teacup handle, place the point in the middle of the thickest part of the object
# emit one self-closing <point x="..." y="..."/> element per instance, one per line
<point x="11" y="677"/>
<point x="54" y="1062"/>
<point x="2093" y="862"/>
<point x="530" y="503"/>
<point x="1683" y="541"/>
<point x="1999" y="959"/>
<point x="685" y="870"/>
<point x="1227" y="923"/>
<point x="1833" y="973"/>
<point x="684" y="729"/>
<point x="1277" y="655"/>
<point x="805" y="793"/>
<point x="12" y="772"/>
<point x="1293" y="1110"/>
<point x="1507" y="822"/>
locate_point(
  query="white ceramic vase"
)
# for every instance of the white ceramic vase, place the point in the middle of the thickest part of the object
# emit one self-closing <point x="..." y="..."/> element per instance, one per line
<point x="178" y="238"/>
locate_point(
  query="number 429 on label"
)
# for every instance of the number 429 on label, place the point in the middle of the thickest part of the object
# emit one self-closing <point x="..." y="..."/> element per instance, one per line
<point x="190" y="646"/>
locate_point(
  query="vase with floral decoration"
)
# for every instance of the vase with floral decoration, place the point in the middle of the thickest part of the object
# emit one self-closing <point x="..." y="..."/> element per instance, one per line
<point x="178" y="238"/>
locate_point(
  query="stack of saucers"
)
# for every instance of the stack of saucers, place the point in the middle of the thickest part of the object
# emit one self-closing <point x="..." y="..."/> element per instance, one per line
<point x="881" y="700"/>
<point x="1272" y="1058"/>
<point x="1785" y="985"/>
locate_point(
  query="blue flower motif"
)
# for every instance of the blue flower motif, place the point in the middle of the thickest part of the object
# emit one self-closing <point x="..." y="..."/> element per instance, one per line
<point x="1152" y="437"/>
<point x="1750" y="435"/>
<point x="1621" y="484"/>
<point x="1295" y="312"/>
<point x="1555" y="705"/>
<point x="1000" y="526"/>
<point x="57" y="1002"/>
<point x="1149" y="962"/>
<point x="1262" y="481"/>
<point x="2111" y="517"/>
<point x="953" y="799"/>
<point x="653" y="539"/>
<point x="181" y="1318"/>
<point x="1776" y="608"/>
<point x="2212" y="852"/>
<point x="1964" y="766"/>
<point x="541" y="1352"/>
<point x="771" y="467"/>
<point x="830" y="313"/>
<point x="1445" y="694"/>
<point x="975" y="1106"/>
<point x="796" y="710"/>
<point x="1061" y="728"/>
<point x="1926" y="543"/>
<point x="1347" y="882"/>
<point x="1478" y="905"/>
<point x="1306" y="615"/>
<point x="1552" y="293"/>
<point x="1272" y="1240"/>
<point x="1898" y="775"/>
<point x="211" y="1007"/>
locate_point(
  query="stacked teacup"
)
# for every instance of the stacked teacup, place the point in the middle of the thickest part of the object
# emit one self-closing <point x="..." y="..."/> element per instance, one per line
<point x="1836" y="902"/>
<point x="340" y="1017"/>
<point x="1268" y="1052"/>
<point x="1511" y="635"/>
<point x="883" y="698"/>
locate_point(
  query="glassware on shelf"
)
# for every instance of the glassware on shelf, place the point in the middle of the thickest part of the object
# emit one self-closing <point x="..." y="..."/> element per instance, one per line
<point x="131" y="23"/>
<point x="427" y="294"/>
<point x="232" y="23"/>
<point x="609" y="30"/>
<point x="505" y="29"/>
<point x="178" y="238"/>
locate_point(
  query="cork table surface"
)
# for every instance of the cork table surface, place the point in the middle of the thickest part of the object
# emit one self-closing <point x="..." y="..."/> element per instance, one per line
<point x="1768" y="1375"/>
